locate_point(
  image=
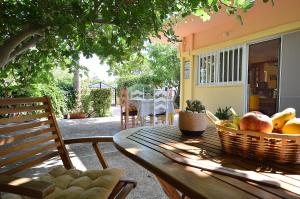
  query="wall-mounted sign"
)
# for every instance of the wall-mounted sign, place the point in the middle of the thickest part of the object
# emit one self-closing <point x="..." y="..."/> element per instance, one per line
<point x="187" y="66"/>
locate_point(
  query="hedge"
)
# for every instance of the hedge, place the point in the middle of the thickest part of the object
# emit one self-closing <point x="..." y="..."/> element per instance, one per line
<point x="101" y="101"/>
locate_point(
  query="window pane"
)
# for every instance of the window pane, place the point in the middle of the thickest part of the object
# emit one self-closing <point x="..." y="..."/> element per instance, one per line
<point x="225" y="66"/>
<point x="202" y="71"/>
<point x="235" y="71"/>
<point x="230" y="66"/>
<point x="212" y="72"/>
<point x="221" y="67"/>
<point x="240" y="63"/>
<point x="208" y="69"/>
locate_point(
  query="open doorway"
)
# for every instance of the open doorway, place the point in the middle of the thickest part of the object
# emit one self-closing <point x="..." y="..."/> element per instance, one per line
<point x="263" y="76"/>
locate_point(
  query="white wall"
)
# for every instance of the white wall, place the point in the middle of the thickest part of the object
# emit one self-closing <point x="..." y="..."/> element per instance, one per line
<point x="290" y="72"/>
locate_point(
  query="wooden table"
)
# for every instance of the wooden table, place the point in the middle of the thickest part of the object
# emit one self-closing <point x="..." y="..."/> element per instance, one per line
<point x="146" y="146"/>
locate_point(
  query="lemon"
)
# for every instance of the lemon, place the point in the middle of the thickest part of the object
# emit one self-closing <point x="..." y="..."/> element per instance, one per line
<point x="292" y="127"/>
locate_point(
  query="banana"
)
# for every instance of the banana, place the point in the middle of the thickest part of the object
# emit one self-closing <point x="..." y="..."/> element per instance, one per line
<point x="279" y="119"/>
<point x="231" y="125"/>
<point x="236" y="120"/>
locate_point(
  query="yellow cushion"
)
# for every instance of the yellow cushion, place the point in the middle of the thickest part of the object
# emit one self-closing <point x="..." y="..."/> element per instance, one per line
<point x="70" y="184"/>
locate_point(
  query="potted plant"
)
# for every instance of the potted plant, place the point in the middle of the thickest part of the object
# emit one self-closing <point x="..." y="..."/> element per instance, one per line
<point x="224" y="113"/>
<point x="192" y="121"/>
<point x="82" y="109"/>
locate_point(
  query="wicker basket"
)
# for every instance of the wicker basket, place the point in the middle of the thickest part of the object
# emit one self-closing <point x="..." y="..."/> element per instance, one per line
<point x="275" y="147"/>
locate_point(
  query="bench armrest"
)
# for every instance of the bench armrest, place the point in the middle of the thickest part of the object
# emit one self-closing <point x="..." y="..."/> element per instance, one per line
<point x="89" y="139"/>
<point x="94" y="141"/>
<point x="25" y="186"/>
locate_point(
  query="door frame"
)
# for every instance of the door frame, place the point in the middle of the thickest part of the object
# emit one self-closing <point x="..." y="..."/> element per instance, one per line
<point x="246" y="67"/>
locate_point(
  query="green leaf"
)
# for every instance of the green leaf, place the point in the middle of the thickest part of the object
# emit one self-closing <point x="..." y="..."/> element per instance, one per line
<point x="203" y="14"/>
<point x="210" y="2"/>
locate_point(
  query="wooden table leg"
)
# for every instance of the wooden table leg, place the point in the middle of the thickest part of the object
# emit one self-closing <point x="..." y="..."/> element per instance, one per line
<point x="170" y="191"/>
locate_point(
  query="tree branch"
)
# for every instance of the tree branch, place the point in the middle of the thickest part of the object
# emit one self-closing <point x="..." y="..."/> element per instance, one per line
<point x="102" y="21"/>
<point x="227" y="5"/>
<point x="25" y="47"/>
<point x="13" y="42"/>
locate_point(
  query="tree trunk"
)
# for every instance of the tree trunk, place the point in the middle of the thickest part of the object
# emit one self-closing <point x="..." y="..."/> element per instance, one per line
<point x="76" y="86"/>
<point x="76" y="80"/>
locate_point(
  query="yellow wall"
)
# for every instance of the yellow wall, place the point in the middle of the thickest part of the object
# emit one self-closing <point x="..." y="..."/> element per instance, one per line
<point x="197" y="34"/>
<point x="215" y="96"/>
<point x="187" y="94"/>
<point x="186" y="83"/>
<point x="220" y="96"/>
<point x="260" y="22"/>
<point x="211" y="96"/>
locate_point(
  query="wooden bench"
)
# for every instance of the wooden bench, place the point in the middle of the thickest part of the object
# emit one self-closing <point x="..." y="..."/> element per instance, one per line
<point x="29" y="135"/>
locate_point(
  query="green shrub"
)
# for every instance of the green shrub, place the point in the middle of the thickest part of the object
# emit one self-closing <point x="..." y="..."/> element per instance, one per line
<point x="86" y="103"/>
<point x="40" y="90"/>
<point x="70" y="95"/>
<point x="137" y="82"/>
<point x="101" y="101"/>
<point x="57" y="98"/>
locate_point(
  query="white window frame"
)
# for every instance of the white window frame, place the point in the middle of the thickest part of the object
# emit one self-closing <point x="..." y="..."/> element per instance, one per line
<point x="216" y="65"/>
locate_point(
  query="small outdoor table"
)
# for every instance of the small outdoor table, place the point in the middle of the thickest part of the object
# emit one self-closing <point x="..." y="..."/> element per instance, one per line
<point x="145" y="107"/>
<point x="148" y="147"/>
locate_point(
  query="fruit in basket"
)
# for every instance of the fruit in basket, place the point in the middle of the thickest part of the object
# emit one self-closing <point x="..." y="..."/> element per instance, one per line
<point x="292" y="126"/>
<point x="231" y="125"/>
<point x="236" y="120"/>
<point x="256" y="121"/>
<point x="235" y="117"/>
<point x="279" y="119"/>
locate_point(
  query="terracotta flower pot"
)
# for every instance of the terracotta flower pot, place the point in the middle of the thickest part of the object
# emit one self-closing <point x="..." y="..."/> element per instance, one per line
<point x="191" y="123"/>
<point x="77" y="115"/>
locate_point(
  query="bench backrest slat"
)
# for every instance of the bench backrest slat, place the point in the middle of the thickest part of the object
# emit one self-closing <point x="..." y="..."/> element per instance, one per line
<point x="13" y="101"/>
<point x="32" y="163"/>
<point x="19" y="119"/>
<point x="11" y="139"/>
<point x="25" y="155"/>
<point x="29" y="134"/>
<point x="25" y="126"/>
<point x="22" y="109"/>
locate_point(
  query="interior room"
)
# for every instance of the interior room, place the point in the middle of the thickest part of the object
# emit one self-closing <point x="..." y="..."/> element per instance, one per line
<point x="263" y="76"/>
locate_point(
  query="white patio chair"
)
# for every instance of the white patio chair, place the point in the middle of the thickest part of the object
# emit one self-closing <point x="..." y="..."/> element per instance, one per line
<point x="160" y="106"/>
<point x="137" y="94"/>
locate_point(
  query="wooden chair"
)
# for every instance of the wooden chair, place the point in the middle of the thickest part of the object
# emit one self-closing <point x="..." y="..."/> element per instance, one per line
<point x="30" y="136"/>
<point x="171" y="97"/>
<point x="128" y="111"/>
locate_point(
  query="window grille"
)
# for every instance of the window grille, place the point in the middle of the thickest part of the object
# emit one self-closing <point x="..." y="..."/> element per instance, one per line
<point x="220" y="67"/>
